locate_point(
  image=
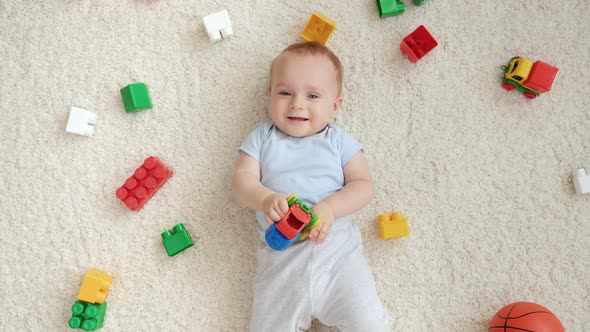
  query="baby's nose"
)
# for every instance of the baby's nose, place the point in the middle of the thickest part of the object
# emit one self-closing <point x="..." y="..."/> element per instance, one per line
<point x="296" y="103"/>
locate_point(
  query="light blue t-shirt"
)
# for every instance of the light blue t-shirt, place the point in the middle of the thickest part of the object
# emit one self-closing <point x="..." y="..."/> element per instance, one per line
<point x="310" y="167"/>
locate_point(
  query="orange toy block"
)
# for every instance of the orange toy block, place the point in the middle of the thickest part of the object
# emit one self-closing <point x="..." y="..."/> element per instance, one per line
<point x="392" y="226"/>
<point x="318" y="28"/>
<point x="95" y="286"/>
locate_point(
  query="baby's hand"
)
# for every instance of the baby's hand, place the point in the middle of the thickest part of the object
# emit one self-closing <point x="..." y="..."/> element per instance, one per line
<point x="319" y="234"/>
<point x="275" y="207"/>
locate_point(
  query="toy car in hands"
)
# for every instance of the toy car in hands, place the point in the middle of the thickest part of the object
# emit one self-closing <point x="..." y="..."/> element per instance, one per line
<point x="295" y="225"/>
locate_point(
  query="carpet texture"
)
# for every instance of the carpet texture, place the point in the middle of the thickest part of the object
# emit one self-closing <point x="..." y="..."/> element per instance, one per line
<point x="482" y="174"/>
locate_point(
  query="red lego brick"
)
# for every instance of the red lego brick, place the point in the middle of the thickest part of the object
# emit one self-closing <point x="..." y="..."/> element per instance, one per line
<point x="541" y="77"/>
<point x="144" y="183"/>
<point x="418" y="43"/>
<point x="294" y="221"/>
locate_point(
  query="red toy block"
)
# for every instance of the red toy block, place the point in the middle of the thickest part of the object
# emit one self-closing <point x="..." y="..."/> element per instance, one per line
<point x="418" y="43"/>
<point x="144" y="183"/>
<point x="541" y="77"/>
<point x="294" y="221"/>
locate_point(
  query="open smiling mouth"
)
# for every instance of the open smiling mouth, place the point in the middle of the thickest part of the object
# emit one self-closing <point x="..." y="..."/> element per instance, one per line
<point x="295" y="118"/>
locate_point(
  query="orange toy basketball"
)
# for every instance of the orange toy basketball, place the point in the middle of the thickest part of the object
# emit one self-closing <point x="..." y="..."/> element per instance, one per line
<point x="525" y="316"/>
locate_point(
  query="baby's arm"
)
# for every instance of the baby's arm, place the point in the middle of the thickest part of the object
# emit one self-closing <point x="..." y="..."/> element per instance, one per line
<point x="249" y="192"/>
<point x="357" y="192"/>
<point x="358" y="188"/>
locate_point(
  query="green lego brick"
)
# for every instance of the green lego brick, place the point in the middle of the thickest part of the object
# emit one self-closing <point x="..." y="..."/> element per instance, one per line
<point x="390" y="7"/>
<point x="176" y="240"/>
<point x="418" y="2"/>
<point x="293" y="200"/>
<point x="136" y="97"/>
<point x="87" y="316"/>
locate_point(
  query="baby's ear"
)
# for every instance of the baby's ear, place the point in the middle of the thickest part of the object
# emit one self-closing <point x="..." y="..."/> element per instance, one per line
<point x="337" y="104"/>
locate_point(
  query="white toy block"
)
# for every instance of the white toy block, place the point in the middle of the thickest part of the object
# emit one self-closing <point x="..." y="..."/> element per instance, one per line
<point x="81" y="122"/>
<point x="218" y="26"/>
<point x="581" y="181"/>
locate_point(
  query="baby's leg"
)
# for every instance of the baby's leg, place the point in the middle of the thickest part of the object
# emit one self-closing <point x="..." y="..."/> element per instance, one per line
<point x="281" y="295"/>
<point x="349" y="297"/>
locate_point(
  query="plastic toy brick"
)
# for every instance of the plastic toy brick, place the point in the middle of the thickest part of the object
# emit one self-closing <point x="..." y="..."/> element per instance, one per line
<point x="95" y="286"/>
<point x="417" y="44"/>
<point x="392" y="226"/>
<point x="541" y="77"/>
<point x="277" y="240"/>
<point x="218" y="26"/>
<point x="144" y="183"/>
<point x="295" y="225"/>
<point x="308" y="229"/>
<point x="581" y="181"/>
<point x="81" y="122"/>
<point x="294" y="221"/>
<point x="87" y="316"/>
<point x="390" y="7"/>
<point x="136" y="97"/>
<point x="176" y="240"/>
<point x="318" y="28"/>
<point x="532" y="79"/>
<point x="418" y="2"/>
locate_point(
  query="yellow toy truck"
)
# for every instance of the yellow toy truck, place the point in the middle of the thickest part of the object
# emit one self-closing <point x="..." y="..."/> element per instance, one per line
<point x="531" y="78"/>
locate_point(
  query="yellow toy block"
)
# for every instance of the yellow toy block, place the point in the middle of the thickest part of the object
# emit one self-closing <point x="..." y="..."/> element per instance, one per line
<point x="318" y="28"/>
<point x="315" y="225"/>
<point x="95" y="286"/>
<point x="392" y="226"/>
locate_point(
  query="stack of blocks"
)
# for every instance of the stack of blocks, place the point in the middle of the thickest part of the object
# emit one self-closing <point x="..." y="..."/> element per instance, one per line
<point x="88" y="312"/>
<point x="294" y="226"/>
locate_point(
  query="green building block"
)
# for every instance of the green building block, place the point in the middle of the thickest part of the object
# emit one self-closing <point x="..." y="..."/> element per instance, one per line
<point x="390" y="7"/>
<point x="87" y="316"/>
<point x="418" y="2"/>
<point x="176" y="240"/>
<point x="136" y="97"/>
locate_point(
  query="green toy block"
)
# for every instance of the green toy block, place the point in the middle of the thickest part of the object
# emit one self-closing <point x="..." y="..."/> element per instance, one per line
<point x="418" y="2"/>
<point x="390" y="7"/>
<point x="136" y="97"/>
<point x="87" y="316"/>
<point x="176" y="240"/>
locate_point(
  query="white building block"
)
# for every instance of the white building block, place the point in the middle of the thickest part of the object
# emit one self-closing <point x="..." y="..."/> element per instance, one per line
<point x="581" y="181"/>
<point x="81" y="122"/>
<point x="218" y="26"/>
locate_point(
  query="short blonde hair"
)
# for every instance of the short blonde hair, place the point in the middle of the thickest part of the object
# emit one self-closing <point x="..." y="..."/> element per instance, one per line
<point x="315" y="48"/>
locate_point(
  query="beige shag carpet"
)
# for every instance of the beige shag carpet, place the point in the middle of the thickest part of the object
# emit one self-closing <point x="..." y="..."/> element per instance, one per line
<point x="482" y="174"/>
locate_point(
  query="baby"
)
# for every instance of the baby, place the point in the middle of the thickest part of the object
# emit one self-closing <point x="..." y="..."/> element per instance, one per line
<point x="300" y="151"/>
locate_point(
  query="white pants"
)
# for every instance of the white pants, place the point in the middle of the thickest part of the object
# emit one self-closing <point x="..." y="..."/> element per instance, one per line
<point x="331" y="282"/>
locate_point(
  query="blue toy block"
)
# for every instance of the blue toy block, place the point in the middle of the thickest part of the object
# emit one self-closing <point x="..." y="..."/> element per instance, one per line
<point x="277" y="240"/>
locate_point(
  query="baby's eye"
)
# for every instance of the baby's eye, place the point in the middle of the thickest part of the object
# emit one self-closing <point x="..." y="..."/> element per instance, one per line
<point x="284" y="93"/>
<point x="312" y="96"/>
